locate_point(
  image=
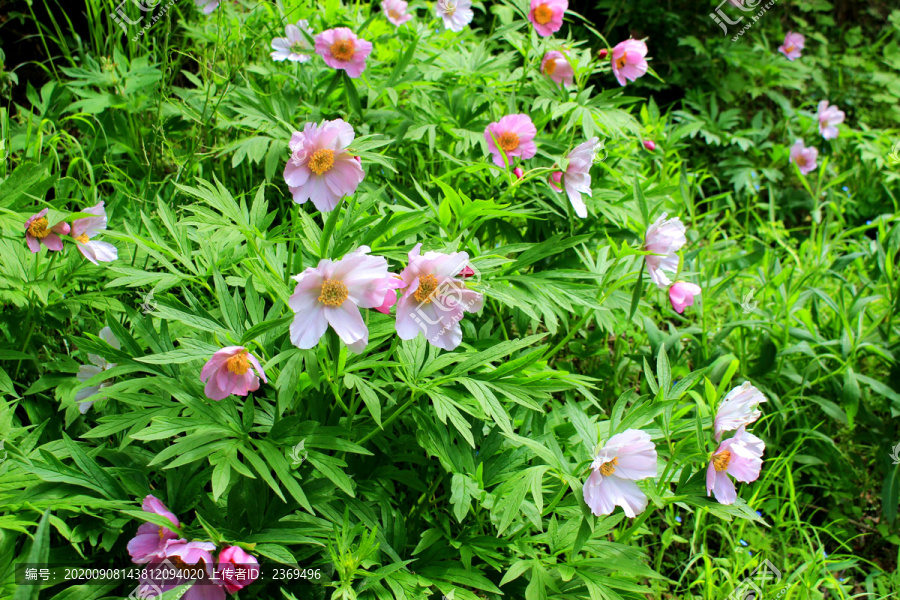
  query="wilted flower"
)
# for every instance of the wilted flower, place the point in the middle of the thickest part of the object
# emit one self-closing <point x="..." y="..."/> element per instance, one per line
<point x="577" y="178"/>
<point x="547" y="15"/>
<point x="739" y="456"/>
<point x="456" y="14"/>
<point x="84" y="229"/>
<point x="151" y="539"/>
<point x="207" y="5"/>
<point x="681" y="294"/>
<point x="793" y="44"/>
<point x="320" y="168"/>
<point x="295" y="46"/>
<point x="435" y="298"/>
<point x="557" y="67"/>
<point x="514" y="135"/>
<point x="341" y="49"/>
<point x="332" y="293"/>
<point x="664" y="238"/>
<point x="395" y="11"/>
<point x="625" y="458"/>
<point x="649" y="145"/>
<point x="829" y="118"/>
<point x="739" y="408"/>
<point x="237" y="568"/>
<point x="628" y="62"/>
<point x="228" y="372"/>
<point x="804" y="157"/>
<point x="86" y="372"/>
<point x="38" y="231"/>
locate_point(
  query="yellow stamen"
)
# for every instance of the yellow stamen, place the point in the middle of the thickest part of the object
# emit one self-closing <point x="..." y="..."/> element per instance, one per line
<point x="550" y="67"/>
<point x="333" y="293"/>
<point x="238" y="364"/>
<point x="161" y="533"/>
<point x="321" y="161"/>
<point x="801" y="160"/>
<point x="608" y="468"/>
<point x="83" y="238"/>
<point x="721" y="460"/>
<point x="394" y="15"/>
<point x="543" y="14"/>
<point x="788" y="49"/>
<point x="343" y="49"/>
<point x="508" y="141"/>
<point x="428" y="286"/>
<point x="620" y="62"/>
<point x="39" y="228"/>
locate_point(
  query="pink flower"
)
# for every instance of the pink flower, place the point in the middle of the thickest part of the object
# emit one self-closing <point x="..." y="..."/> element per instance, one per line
<point x="341" y="49"/>
<point x="739" y="456"/>
<point x="38" y="231"/>
<point x="649" y="145"/>
<point x="151" y="539"/>
<point x="793" y="44"/>
<point x="456" y="14"/>
<point x="625" y="458"/>
<point x="664" y="238"/>
<point x="435" y="298"/>
<point x="577" y="179"/>
<point x="84" y="229"/>
<point x="86" y="372"/>
<point x="514" y="135"/>
<point x="681" y="294"/>
<point x="829" y="118"/>
<point x="557" y="67"/>
<point x="555" y="179"/>
<point x="295" y="46"/>
<point x="228" y="372"/>
<point x="390" y="298"/>
<point x="628" y="62"/>
<point x="547" y="15"/>
<point x="518" y="172"/>
<point x="161" y="573"/>
<point x="332" y="293"/>
<point x="603" y="53"/>
<point x="207" y="5"/>
<point x="804" y="157"/>
<point x="739" y="408"/>
<point x="395" y="11"/>
<point x="237" y="568"/>
<point x="320" y="168"/>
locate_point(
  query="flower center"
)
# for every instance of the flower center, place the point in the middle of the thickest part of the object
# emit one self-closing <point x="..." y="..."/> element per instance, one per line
<point x="789" y="49"/>
<point x="508" y="141"/>
<point x="321" y="161"/>
<point x="449" y="8"/>
<point x="161" y="532"/>
<point x="428" y="286"/>
<point x="298" y="47"/>
<point x="83" y="238"/>
<point x="550" y="67"/>
<point x="394" y="14"/>
<point x="801" y="160"/>
<point x="238" y="364"/>
<point x="543" y="14"/>
<point x="38" y="228"/>
<point x="721" y="460"/>
<point x="620" y="62"/>
<point x="334" y="292"/>
<point x="608" y="468"/>
<point x="343" y="49"/>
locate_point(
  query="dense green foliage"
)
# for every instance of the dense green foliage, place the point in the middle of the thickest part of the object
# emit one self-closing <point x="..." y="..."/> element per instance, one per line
<point x="428" y="472"/>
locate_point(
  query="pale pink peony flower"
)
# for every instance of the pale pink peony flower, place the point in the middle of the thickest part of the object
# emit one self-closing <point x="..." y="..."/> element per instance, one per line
<point x="681" y="294"/>
<point x="228" y="372"/>
<point x="320" y="168"/>
<point x="237" y="568"/>
<point x="628" y="62"/>
<point x="84" y="229"/>
<point x="38" y="231"/>
<point x="804" y="157"/>
<point x="518" y="172"/>
<point x="649" y="145"/>
<point x="829" y="118"/>
<point x="86" y="372"/>
<point x="547" y="15"/>
<point x="514" y="134"/>
<point x="456" y="14"/>
<point x="295" y="47"/>
<point x="664" y="239"/>
<point x="207" y="5"/>
<point x="739" y="456"/>
<point x="739" y="408"/>
<point x="435" y="298"/>
<point x="151" y="540"/>
<point x="577" y="178"/>
<point x="390" y="298"/>
<point x="557" y="67"/>
<point x="332" y="293"/>
<point x="793" y="44"/>
<point x="181" y="557"/>
<point x="625" y="458"/>
<point x="395" y="11"/>
<point x="341" y="49"/>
